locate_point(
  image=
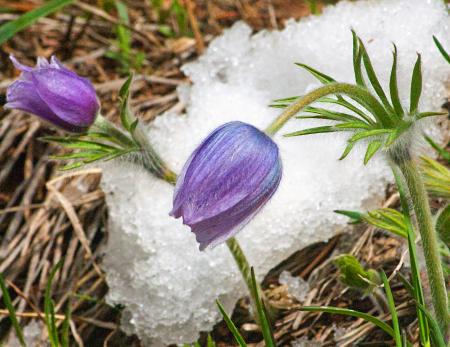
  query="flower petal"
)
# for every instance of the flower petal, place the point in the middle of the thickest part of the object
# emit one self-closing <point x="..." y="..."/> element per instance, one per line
<point x="227" y="167"/>
<point x="18" y="65"/>
<point x="69" y="96"/>
<point x="226" y="181"/>
<point x="22" y="95"/>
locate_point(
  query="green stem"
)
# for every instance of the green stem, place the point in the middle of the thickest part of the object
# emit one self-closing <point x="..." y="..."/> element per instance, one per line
<point x="150" y="158"/>
<point x="431" y="252"/>
<point x="362" y="95"/>
<point x="245" y="269"/>
<point x="105" y="126"/>
<point x="424" y="331"/>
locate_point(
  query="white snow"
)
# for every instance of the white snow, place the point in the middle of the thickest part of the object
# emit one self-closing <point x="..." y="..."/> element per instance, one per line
<point x="297" y="286"/>
<point x="152" y="261"/>
<point x="304" y="342"/>
<point x="32" y="334"/>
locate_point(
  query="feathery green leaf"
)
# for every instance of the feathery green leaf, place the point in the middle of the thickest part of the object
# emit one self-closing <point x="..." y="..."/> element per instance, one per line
<point x="393" y="88"/>
<point x="416" y="86"/>
<point x="318" y="130"/>
<point x="393" y="310"/>
<point x="372" y="148"/>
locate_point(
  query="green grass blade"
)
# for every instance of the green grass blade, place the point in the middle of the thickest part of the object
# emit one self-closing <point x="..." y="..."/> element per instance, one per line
<point x="438" y="339"/>
<point x="123" y="34"/>
<point x="441" y="49"/>
<point x="424" y="330"/>
<point x="234" y="330"/>
<point x="49" y="308"/>
<point x="65" y="329"/>
<point x="12" y="312"/>
<point x="416" y="85"/>
<point x="347" y="312"/>
<point x="393" y="310"/>
<point x="210" y="342"/>
<point x="9" y="29"/>
<point x="393" y="88"/>
<point x="262" y="317"/>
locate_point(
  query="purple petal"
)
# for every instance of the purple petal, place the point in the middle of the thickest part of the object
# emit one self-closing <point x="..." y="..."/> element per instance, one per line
<point x="55" y="63"/>
<point x="18" y="65"/>
<point x="225" y="182"/>
<point x="22" y="95"/>
<point x="42" y="63"/>
<point x="69" y="96"/>
<point x="219" y="228"/>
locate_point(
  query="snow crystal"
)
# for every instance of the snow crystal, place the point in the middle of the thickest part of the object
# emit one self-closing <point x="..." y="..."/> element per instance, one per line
<point x="297" y="286"/>
<point x="32" y="334"/>
<point x="304" y="342"/>
<point x="152" y="261"/>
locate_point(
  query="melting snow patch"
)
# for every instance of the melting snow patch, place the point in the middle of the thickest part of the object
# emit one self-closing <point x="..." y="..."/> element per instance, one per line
<point x="153" y="264"/>
<point x="297" y="286"/>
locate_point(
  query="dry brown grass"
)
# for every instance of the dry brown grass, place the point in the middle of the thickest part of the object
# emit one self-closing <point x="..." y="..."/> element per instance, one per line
<point x="46" y="217"/>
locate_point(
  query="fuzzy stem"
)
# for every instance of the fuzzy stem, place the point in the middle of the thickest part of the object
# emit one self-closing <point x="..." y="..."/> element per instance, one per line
<point x="245" y="269"/>
<point x="103" y="125"/>
<point x="431" y="252"/>
<point x="150" y="158"/>
<point x="358" y="93"/>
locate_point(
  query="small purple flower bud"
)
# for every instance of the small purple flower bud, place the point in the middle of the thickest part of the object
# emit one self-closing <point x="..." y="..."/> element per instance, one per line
<point x="55" y="94"/>
<point x="226" y="181"/>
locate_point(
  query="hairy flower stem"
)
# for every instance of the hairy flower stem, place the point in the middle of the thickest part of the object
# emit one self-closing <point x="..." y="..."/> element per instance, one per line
<point x="431" y="252"/>
<point x="103" y="125"/>
<point x="147" y="157"/>
<point x="150" y="158"/>
<point x="402" y="158"/>
<point x="244" y="268"/>
<point x="153" y="163"/>
<point x="361" y="94"/>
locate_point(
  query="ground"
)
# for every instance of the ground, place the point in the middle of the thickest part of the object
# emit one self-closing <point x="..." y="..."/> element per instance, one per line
<point x="43" y="219"/>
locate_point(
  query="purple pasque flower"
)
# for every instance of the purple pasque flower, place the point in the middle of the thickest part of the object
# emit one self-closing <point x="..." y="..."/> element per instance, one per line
<point x="226" y="181"/>
<point x="55" y="94"/>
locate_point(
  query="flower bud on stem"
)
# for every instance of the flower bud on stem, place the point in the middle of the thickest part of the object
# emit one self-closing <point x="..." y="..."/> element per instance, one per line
<point x="154" y="164"/>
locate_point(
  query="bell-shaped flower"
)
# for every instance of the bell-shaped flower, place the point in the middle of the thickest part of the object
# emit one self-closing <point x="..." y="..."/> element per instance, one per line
<point x="226" y="181"/>
<point x="55" y="94"/>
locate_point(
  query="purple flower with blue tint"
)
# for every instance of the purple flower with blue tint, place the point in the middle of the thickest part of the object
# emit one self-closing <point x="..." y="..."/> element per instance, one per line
<point x="226" y="181"/>
<point x="55" y="94"/>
